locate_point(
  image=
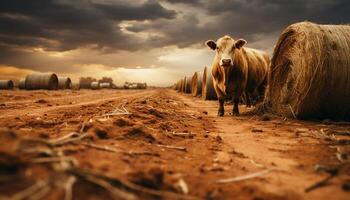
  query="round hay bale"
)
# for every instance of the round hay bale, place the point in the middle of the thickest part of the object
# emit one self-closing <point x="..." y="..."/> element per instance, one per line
<point x="105" y="85"/>
<point x="208" y="91"/>
<point x="95" y="85"/>
<point x="37" y="81"/>
<point x="310" y="70"/>
<point x="22" y="84"/>
<point x="141" y="85"/>
<point x="197" y="84"/>
<point x="183" y="85"/>
<point x="188" y="84"/>
<point x="64" y="83"/>
<point x="6" y="84"/>
<point x="177" y="86"/>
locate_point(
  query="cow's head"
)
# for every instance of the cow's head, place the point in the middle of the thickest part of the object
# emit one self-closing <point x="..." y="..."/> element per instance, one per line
<point x="225" y="48"/>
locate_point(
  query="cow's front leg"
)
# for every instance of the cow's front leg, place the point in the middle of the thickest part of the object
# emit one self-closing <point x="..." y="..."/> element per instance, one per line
<point x="235" y="111"/>
<point x="221" y="110"/>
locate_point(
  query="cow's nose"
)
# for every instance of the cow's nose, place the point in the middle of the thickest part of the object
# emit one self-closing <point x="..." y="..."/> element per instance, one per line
<point x="226" y="61"/>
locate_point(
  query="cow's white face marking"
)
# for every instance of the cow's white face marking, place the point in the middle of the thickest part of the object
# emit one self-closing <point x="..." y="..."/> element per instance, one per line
<point x="225" y="48"/>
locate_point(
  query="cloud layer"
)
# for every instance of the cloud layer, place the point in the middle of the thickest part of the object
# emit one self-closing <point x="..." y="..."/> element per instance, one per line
<point x="56" y="35"/>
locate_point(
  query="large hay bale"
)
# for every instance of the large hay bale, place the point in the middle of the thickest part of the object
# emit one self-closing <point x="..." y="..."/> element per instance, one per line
<point x="208" y="91"/>
<point x="188" y="84"/>
<point x="310" y="72"/>
<point x="6" y="84"/>
<point x="64" y="83"/>
<point x="22" y="84"/>
<point x="197" y="84"/>
<point x="37" y="81"/>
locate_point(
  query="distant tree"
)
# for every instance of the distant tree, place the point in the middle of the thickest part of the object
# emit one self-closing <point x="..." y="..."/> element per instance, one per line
<point x="106" y="80"/>
<point x="85" y="82"/>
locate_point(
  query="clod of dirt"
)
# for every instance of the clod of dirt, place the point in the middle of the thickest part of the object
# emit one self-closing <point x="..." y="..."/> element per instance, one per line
<point x="40" y="101"/>
<point x="257" y="130"/>
<point x="346" y="186"/>
<point x="143" y="102"/>
<point x="122" y="122"/>
<point x="87" y="126"/>
<point x="218" y="138"/>
<point x="139" y="133"/>
<point x="156" y="113"/>
<point x="265" y="117"/>
<point x="102" y="134"/>
<point x="7" y="134"/>
<point x="222" y="157"/>
<point x="152" y="178"/>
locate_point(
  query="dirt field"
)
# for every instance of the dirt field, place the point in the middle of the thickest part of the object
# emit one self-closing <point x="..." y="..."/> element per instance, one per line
<point x="163" y="145"/>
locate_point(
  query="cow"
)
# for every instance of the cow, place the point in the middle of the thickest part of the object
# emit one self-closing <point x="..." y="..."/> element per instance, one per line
<point x="237" y="70"/>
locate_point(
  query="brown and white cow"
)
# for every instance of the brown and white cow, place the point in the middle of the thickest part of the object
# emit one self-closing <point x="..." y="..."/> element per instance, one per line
<point x="237" y="70"/>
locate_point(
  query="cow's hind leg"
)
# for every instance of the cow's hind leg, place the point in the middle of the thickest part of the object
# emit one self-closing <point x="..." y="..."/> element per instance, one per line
<point x="221" y="110"/>
<point x="248" y="100"/>
<point x="235" y="111"/>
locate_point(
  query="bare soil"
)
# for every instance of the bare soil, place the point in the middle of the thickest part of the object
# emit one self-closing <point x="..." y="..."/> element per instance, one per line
<point x="160" y="144"/>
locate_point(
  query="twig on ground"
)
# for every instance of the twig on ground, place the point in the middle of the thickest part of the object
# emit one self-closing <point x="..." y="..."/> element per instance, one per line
<point x="136" y="153"/>
<point x="100" y="147"/>
<point x="68" y="188"/>
<point x="131" y="186"/>
<point x="56" y="159"/>
<point x="321" y="183"/>
<point x="116" y="192"/>
<point x="29" y="191"/>
<point x="183" y="134"/>
<point x="257" y="164"/>
<point x="244" y="177"/>
<point x="172" y="147"/>
<point x="118" y="111"/>
<point x="41" y="193"/>
<point x="292" y="111"/>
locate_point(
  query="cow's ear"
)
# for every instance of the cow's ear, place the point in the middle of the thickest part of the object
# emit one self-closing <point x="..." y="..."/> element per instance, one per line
<point x="240" y="43"/>
<point x="211" y="44"/>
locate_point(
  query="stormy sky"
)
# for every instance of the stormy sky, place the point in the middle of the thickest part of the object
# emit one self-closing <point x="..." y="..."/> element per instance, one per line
<point x="141" y="40"/>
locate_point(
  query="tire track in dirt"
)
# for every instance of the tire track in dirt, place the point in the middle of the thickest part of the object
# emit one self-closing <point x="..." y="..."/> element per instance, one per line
<point x="273" y="144"/>
<point x="86" y="102"/>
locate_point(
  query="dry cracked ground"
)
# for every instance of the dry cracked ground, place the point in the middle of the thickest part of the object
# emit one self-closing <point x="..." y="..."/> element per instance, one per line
<point x="160" y="144"/>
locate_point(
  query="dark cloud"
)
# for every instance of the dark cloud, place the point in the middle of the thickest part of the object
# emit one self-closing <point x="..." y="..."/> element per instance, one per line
<point x="72" y="25"/>
<point x="61" y="25"/>
<point x="244" y="18"/>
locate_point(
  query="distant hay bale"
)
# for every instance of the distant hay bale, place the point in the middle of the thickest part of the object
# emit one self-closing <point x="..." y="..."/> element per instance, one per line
<point x="37" y="81"/>
<point x="141" y="85"/>
<point x="64" y="83"/>
<point x="22" y="84"/>
<point x="6" y="84"/>
<point x="177" y="86"/>
<point x="188" y="84"/>
<point x="208" y="91"/>
<point x="183" y="85"/>
<point x="310" y="72"/>
<point x="95" y="85"/>
<point x="197" y="84"/>
<point x="105" y="85"/>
